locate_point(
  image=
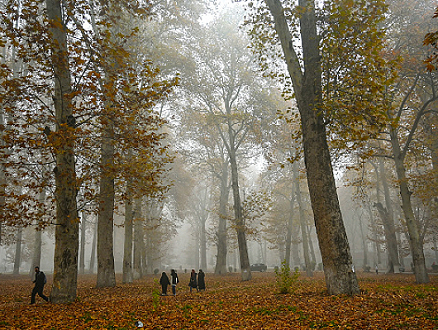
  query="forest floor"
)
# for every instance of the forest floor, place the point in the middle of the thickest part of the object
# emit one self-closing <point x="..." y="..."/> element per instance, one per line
<point x="385" y="302"/>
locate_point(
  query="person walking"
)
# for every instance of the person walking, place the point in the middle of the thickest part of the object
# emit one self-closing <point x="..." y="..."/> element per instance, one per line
<point x="164" y="281"/>
<point x="201" y="280"/>
<point x="40" y="281"/>
<point x="173" y="280"/>
<point x="193" y="283"/>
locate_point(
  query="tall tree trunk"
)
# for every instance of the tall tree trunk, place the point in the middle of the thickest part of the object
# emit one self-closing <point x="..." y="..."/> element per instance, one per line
<point x="238" y="214"/>
<point x="364" y="243"/>
<point x="106" y="276"/>
<point x="391" y="238"/>
<point x="138" y="239"/>
<point x="333" y="242"/>
<point x="18" y="246"/>
<point x="93" y="250"/>
<point x="305" y="238"/>
<point x="82" y="246"/>
<point x="203" y="242"/>
<point x="289" y="228"/>
<point x="415" y="239"/>
<point x="295" y="247"/>
<point x="221" y="258"/>
<point x="36" y="255"/>
<point x="67" y="224"/>
<point x="375" y="237"/>
<point x="127" y="248"/>
<point x="312" y="250"/>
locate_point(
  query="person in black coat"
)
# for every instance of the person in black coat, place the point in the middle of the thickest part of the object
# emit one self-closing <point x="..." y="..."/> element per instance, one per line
<point x="201" y="280"/>
<point x="164" y="281"/>
<point x="193" y="283"/>
<point x="173" y="280"/>
<point x="40" y="281"/>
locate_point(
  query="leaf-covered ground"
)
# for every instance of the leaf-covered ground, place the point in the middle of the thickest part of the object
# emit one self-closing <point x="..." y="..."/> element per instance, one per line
<point x="386" y="302"/>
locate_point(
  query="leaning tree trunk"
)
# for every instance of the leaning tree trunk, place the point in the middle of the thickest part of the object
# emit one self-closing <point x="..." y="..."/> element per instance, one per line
<point x="333" y="242"/>
<point x="67" y="224"/>
<point x="415" y="239"/>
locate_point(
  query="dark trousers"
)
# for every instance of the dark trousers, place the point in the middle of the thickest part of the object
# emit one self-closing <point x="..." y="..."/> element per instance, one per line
<point x="164" y="289"/>
<point x="39" y="290"/>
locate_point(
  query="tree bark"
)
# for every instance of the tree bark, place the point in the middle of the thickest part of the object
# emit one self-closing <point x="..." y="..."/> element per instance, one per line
<point x="67" y="223"/>
<point x="333" y="242"/>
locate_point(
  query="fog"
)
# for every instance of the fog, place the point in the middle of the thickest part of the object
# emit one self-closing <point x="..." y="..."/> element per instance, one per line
<point x="233" y="132"/>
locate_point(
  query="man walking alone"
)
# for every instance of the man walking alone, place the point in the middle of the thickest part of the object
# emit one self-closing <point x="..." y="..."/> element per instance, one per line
<point x="40" y="281"/>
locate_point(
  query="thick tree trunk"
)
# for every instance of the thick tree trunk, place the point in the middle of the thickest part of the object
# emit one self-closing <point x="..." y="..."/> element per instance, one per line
<point x="333" y="242"/>
<point x="415" y="239"/>
<point x="106" y="276"/>
<point x="67" y="223"/>
<point x="221" y="258"/>
<point x="127" y="248"/>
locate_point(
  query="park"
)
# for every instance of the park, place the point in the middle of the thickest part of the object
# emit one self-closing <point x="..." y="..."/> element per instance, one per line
<point x="386" y="301"/>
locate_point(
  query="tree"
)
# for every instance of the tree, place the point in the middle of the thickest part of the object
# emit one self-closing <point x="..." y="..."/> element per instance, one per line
<point x="306" y="80"/>
<point x="62" y="141"/>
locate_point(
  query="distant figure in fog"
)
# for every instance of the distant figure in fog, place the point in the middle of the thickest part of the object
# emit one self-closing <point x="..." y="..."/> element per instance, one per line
<point x="193" y="283"/>
<point x="173" y="280"/>
<point x="201" y="280"/>
<point x="40" y="281"/>
<point x="164" y="281"/>
<point x="377" y="270"/>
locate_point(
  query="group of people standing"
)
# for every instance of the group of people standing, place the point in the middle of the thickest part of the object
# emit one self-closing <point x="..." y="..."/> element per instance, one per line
<point x="197" y="281"/>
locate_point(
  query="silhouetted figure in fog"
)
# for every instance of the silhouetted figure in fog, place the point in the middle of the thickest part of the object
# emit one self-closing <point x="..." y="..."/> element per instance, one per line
<point x="173" y="280"/>
<point x="164" y="281"/>
<point x="40" y="281"/>
<point x="201" y="280"/>
<point x="193" y="283"/>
